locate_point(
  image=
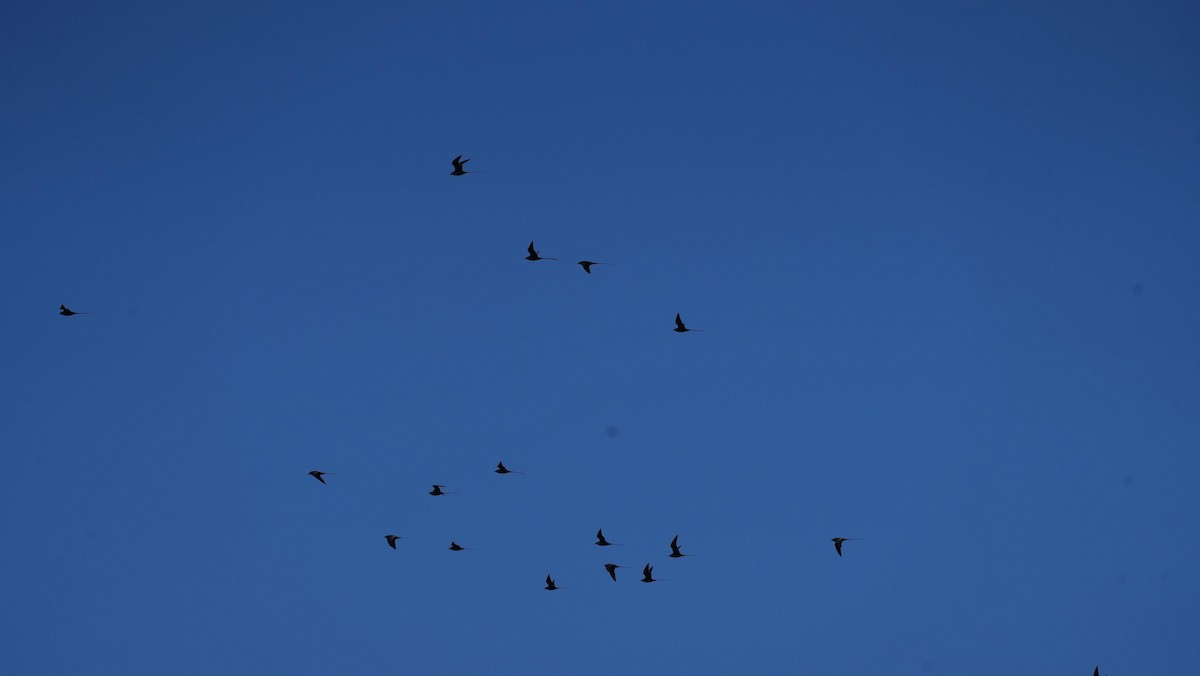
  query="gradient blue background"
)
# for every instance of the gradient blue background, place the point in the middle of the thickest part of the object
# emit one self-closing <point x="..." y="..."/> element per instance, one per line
<point x="947" y="258"/>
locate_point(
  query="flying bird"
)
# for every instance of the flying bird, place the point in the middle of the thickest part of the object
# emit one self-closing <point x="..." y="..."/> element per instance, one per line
<point x="533" y="255"/>
<point x="837" y="544"/>
<point x="458" y="163"/>
<point x="455" y="547"/>
<point x="612" y="570"/>
<point x="679" y="326"/>
<point x="550" y="586"/>
<point x="391" y="540"/>
<point x="437" y="490"/>
<point x="647" y="571"/>
<point x="587" y="265"/>
<point x="675" y="553"/>
<point x="1097" y="671"/>
<point x="317" y="475"/>
<point x="501" y="469"/>
<point x="67" y="312"/>
<point x="602" y="542"/>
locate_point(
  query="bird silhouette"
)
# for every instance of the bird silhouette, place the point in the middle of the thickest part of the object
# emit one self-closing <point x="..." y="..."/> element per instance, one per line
<point x="647" y="573"/>
<point x="317" y="475"/>
<point x="587" y="265"/>
<point x="437" y="490"/>
<point x="533" y="255"/>
<point x="612" y="570"/>
<point x="455" y="547"/>
<point x="67" y="312"/>
<point x="550" y="586"/>
<point x="501" y="469"/>
<point x="1097" y="671"/>
<point x="680" y="328"/>
<point x="458" y="163"/>
<point x="604" y="543"/>
<point x="675" y="553"/>
<point x="837" y="544"/>
<point x="391" y="540"/>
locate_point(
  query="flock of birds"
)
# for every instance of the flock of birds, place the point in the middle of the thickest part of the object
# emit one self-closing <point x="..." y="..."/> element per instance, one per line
<point x="551" y="585"/>
<point x="601" y="541"/>
<point x="611" y="568"/>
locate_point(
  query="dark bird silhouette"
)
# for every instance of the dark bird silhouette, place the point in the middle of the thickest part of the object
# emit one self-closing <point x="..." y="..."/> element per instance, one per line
<point x="647" y="573"/>
<point x="680" y="328"/>
<point x="587" y="265"/>
<point x="1097" y="671"/>
<point x="501" y="469"/>
<point x="67" y="312"/>
<point x="458" y="163"/>
<point x="550" y="586"/>
<point x="675" y="553"/>
<point x="391" y="540"/>
<point x="455" y="547"/>
<point x="317" y="475"/>
<point x="437" y="490"/>
<point x="837" y="544"/>
<point x="612" y="570"/>
<point x="602" y="542"/>
<point x="533" y="255"/>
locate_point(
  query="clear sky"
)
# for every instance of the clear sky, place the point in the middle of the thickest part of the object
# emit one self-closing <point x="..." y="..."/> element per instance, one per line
<point x="946" y="257"/>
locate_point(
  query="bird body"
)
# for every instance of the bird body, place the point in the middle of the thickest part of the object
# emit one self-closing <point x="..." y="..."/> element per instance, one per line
<point x="587" y="265"/>
<point x="437" y="490"/>
<point x="317" y="475"/>
<point x="680" y="327"/>
<point x="550" y="586"/>
<point x="533" y="255"/>
<point x="501" y="469"/>
<point x="455" y="547"/>
<point x="67" y="312"/>
<point x="837" y="544"/>
<point x="458" y="163"/>
<point x="612" y="570"/>
<point x="675" y="553"/>
<point x="600" y="539"/>
<point x="391" y="540"/>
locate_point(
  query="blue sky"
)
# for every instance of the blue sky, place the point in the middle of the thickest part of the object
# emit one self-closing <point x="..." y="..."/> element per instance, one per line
<point x="945" y="258"/>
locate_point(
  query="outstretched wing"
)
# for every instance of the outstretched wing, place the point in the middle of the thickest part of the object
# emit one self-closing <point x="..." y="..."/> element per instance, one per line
<point x="679" y="321"/>
<point x="531" y="251"/>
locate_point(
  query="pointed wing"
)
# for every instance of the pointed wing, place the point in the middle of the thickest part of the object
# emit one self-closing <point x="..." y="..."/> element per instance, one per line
<point x="549" y="582"/>
<point x="675" y="544"/>
<point x="457" y="162"/>
<point x="612" y="571"/>
<point x="838" y="546"/>
<point x="679" y="321"/>
<point x="531" y="251"/>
